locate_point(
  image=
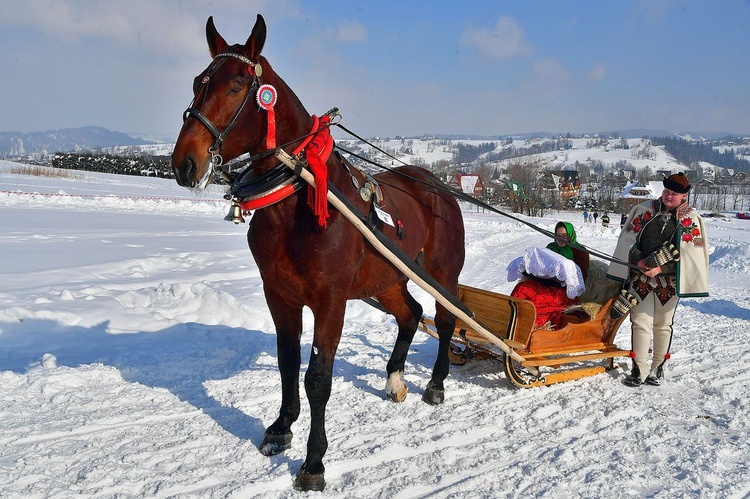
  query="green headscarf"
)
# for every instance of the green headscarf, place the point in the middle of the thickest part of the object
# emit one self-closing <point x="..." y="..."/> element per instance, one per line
<point x="565" y="251"/>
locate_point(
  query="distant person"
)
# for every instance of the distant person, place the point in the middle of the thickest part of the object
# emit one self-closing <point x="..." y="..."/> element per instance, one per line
<point x="666" y="239"/>
<point x="585" y="217"/>
<point x="605" y="220"/>
<point x="623" y="219"/>
<point x="596" y="215"/>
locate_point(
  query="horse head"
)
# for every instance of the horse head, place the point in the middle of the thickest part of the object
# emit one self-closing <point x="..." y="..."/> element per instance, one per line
<point x="226" y="117"/>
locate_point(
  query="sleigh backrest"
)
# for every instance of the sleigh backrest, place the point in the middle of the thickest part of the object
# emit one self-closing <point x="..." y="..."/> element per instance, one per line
<point x="505" y="316"/>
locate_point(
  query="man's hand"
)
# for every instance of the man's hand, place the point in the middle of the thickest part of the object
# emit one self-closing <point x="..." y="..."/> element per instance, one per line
<point x="648" y="271"/>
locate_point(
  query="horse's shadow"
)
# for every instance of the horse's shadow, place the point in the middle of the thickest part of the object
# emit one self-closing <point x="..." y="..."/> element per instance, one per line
<point x="180" y="358"/>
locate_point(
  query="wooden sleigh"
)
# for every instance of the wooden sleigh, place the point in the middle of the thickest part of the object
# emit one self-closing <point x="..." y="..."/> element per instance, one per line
<point x="567" y="353"/>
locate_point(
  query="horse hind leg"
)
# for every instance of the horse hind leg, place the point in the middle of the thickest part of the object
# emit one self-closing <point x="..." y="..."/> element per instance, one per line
<point x="445" y="323"/>
<point x="443" y="261"/>
<point x="407" y="312"/>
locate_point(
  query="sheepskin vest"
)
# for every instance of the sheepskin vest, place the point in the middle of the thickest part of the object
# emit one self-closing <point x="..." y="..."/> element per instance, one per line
<point x="689" y="239"/>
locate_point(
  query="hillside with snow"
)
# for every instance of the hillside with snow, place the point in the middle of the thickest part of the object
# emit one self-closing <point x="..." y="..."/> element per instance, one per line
<point x="638" y="152"/>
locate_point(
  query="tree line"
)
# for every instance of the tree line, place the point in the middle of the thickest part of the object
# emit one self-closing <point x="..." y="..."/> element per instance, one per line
<point x="145" y="166"/>
<point x="689" y="153"/>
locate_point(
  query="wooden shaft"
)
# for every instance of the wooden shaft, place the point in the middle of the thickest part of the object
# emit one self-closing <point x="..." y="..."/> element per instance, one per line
<point x="289" y="161"/>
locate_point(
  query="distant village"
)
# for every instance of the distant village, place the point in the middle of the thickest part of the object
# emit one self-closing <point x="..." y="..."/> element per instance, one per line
<point x="718" y="189"/>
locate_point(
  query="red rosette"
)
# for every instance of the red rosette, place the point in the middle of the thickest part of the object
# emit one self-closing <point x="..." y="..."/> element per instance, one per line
<point x="266" y="96"/>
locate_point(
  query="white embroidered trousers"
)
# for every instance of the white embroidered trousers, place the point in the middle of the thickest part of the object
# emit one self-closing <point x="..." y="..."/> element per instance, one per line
<point x="647" y="317"/>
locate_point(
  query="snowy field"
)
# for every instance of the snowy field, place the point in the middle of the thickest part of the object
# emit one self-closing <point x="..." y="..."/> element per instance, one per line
<point x="137" y="358"/>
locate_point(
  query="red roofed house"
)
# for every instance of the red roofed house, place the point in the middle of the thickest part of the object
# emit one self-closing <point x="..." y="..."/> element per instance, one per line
<point x="469" y="183"/>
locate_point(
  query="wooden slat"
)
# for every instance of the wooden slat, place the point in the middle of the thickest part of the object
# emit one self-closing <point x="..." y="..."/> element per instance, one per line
<point x="564" y="350"/>
<point x="576" y="358"/>
<point x="572" y="374"/>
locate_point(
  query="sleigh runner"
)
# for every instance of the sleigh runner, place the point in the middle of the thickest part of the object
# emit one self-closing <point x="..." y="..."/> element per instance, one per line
<point x="570" y="350"/>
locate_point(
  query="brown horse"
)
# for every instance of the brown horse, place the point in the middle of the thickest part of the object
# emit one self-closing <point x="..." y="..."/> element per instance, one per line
<point x="304" y="264"/>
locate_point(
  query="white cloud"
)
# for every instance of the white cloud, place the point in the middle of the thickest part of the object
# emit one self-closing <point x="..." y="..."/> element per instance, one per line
<point x="503" y="41"/>
<point x="162" y="27"/>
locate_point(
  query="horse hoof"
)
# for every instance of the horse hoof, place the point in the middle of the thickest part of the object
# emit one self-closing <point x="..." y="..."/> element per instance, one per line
<point x="433" y="396"/>
<point x="399" y="395"/>
<point x="309" y="481"/>
<point x="275" y="444"/>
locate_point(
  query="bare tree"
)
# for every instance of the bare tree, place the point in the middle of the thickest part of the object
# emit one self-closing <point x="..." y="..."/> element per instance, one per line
<point x="525" y="173"/>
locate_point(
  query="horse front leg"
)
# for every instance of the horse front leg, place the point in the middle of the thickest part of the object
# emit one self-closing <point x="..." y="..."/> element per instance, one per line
<point x="288" y="321"/>
<point x="318" y="380"/>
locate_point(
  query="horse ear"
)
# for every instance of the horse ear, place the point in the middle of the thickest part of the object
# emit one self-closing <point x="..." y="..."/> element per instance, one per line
<point x="216" y="43"/>
<point x="257" y="38"/>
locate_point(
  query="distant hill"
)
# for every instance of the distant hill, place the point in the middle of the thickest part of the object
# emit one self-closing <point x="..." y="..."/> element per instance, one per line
<point x="15" y="144"/>
<point x="627" y="134"/>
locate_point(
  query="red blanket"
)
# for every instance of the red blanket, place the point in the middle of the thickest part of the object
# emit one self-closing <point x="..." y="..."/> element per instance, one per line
<point x="549" y="300"/>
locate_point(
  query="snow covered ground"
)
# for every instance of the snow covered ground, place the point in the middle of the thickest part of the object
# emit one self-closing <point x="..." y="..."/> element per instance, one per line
<point x="137" y="358"/>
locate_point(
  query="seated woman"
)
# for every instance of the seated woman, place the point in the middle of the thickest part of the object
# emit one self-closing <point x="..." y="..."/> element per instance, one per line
<point x="552" y="277"/>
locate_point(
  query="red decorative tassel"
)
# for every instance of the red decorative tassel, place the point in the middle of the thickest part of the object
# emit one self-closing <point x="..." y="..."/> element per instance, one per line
<point x="271" y="136"/>
<point x="317" y="153"/>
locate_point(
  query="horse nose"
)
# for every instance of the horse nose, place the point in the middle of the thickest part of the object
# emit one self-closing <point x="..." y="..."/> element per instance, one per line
<point x="184" y="172"/>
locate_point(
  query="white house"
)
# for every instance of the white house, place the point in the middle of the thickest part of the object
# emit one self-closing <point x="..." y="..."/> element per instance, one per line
<point x="637" y="192"/>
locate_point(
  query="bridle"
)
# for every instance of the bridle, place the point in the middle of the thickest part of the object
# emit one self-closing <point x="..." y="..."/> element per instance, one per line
<point x="219" y="136"/>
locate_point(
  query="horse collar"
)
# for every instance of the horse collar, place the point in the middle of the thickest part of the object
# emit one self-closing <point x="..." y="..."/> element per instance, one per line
<point x="268" y="188"/>
<point x="264" y="190"/>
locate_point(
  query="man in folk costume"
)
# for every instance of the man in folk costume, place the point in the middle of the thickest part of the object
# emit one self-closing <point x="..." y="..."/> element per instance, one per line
<point x="666" y="239"/>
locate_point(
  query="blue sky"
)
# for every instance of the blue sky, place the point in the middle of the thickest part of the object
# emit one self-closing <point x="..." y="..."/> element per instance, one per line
<point x="393" y="68"/>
